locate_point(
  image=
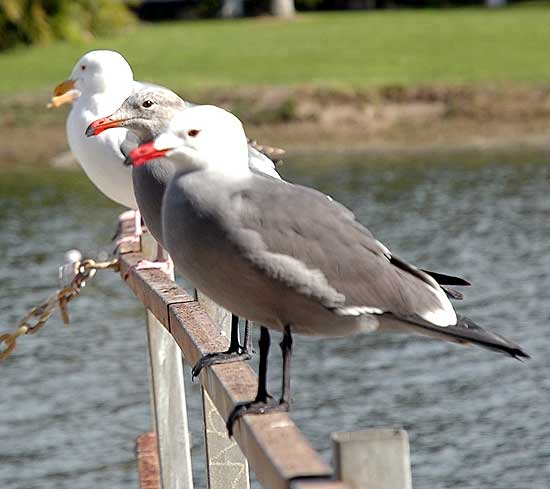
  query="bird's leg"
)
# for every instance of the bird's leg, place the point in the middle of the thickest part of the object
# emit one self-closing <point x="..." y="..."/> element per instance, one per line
<point x="138" y="229"/>
<point x="161" y="263"/>
<point x="234" y="353"/>
<point x="261" y="404"/>
<point x="286" y="348"/>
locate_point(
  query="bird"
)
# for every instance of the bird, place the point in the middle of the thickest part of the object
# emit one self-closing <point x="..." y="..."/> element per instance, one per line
<point x="147" y="114"/>
<point x="98" y="84"/>
<point x="286" y="257"/>
<point x="143" y="115"/>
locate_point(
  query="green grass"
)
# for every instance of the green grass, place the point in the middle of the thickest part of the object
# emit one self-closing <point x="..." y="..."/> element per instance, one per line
<point x="344" y="49"/>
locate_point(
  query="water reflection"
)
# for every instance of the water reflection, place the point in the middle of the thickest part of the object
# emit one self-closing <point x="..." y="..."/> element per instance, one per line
<point x="75" y="398"/>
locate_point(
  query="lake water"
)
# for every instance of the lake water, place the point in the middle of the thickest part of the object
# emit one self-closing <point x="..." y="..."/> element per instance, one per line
<point x="74" y="398"/>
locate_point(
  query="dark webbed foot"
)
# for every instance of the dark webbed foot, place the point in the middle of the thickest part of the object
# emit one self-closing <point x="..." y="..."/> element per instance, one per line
<point x="235" y="352"/>
<point x="254" y="407"/>
<point x="217" y="358"/>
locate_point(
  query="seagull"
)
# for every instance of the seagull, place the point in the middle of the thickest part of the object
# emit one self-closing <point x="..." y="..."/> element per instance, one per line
<point x="285" y="256"/>
<point x="99" y="82"/>
<point x="146" y="114"/>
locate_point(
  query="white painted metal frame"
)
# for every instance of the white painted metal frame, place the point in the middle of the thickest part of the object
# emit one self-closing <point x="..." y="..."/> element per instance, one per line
<point x="168" y="402"/>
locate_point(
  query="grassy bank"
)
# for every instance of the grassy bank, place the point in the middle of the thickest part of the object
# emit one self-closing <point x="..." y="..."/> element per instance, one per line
<point x="348" y="80"/>
<point x="343" y="49"/>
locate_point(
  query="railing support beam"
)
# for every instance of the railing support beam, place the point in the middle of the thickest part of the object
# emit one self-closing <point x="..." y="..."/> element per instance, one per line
<point x="373" y="459"/>
<point x="169" y="408"/>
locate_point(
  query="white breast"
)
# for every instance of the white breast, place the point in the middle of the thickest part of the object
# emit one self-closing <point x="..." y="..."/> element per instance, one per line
<point x="100" y="156"/>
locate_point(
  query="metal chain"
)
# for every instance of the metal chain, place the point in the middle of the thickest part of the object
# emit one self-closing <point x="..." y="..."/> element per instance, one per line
<point x="82" y="271"/>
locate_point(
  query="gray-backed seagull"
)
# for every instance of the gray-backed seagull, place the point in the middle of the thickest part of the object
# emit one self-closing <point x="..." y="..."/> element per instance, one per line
<point x="146" y="113"/>
<point x="283" y="255"/>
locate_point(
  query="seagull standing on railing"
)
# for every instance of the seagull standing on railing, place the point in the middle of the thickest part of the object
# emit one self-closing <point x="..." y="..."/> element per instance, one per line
<point x="147" y="114"/>
<point x="284" y="256"/>
<point x="99" y="82"/>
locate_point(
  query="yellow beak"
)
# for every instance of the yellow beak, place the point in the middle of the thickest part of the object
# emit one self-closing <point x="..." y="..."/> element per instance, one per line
<point x="64" y="93"/>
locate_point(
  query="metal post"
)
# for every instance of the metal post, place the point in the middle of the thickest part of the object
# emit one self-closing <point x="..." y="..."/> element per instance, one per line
<point x="168" y="398"/>
<point x="226" y="465"/>
<point x="373" y="459"/>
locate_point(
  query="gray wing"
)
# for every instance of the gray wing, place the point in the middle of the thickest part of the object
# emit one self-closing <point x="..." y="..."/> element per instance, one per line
<point x="315" y="246"/>
<point x="260" y="163"/>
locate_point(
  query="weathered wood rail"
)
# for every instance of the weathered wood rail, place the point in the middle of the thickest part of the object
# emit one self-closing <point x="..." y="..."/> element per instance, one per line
<point x="271" y="444"/>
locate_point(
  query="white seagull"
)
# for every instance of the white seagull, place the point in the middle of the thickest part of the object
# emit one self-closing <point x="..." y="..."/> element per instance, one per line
<point x="283" y="255"/>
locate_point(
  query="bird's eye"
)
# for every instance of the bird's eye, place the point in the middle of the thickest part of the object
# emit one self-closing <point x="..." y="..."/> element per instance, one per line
<point x="193" y="132"/>
<point x="147" y="103"/>
<point x="82" y="67"/>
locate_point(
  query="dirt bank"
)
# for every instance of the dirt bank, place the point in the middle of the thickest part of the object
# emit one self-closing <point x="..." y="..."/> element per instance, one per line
<point x="386" y="121"/>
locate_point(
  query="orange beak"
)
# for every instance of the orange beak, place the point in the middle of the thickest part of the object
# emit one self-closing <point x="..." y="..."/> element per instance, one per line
<point x="100" y="125"/>
<point x="64" y="93"/>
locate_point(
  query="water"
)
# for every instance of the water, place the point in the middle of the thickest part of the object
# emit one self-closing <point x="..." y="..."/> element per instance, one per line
<point x="74" y="398"/>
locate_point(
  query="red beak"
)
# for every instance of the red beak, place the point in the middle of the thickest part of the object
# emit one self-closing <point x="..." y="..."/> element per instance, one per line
<point x="142" y="154"/>
<point x="97" y="127"/>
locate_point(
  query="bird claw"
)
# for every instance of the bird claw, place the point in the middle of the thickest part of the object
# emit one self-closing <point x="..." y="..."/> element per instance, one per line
<point x="130" y="214"/>
<point x="241" y="355"/>
<point x="254" y="407"/>
<point x="165" y="266"/>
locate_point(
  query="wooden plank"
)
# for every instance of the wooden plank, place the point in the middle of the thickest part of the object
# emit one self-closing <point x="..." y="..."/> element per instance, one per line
<point x="148" y="461"/>
<point x="161" y="292"/>
<point x="167" y="381"/>
<point x="226" y="464"/>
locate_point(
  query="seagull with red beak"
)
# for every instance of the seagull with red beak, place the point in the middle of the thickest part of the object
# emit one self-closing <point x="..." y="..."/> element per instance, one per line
<point x="147" y="114"/>
<point x="285" y="256"/>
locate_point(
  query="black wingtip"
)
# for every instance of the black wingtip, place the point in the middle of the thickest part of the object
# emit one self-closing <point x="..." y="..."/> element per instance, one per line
<point x="443" y="279"/>
<point x="487" y="339"/>
<point x="520" y="355"/>
<point x="452" y="293"/>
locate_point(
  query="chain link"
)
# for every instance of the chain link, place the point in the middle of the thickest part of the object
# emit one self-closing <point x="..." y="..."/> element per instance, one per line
<point x="83" y="270"/>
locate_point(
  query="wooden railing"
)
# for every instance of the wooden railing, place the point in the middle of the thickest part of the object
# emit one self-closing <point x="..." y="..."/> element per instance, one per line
<point x="270" y="444"/>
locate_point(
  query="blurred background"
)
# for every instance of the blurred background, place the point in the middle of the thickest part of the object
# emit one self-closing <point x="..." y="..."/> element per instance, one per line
<point x="430" y="120"/>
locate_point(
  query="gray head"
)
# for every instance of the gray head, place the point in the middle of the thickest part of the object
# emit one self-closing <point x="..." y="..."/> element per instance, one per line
<point x="146" y="113"/>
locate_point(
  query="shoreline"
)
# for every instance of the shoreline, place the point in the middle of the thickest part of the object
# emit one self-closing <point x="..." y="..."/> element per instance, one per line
<point x="386" y="123"/>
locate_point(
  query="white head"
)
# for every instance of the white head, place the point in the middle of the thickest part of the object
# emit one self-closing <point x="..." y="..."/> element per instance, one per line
<point x="94" y="73"/>
<point x="204" y="137"/>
